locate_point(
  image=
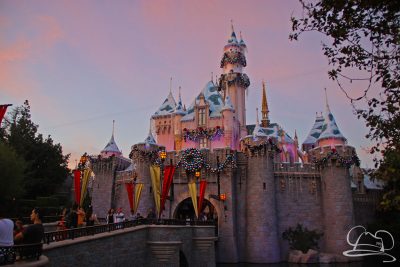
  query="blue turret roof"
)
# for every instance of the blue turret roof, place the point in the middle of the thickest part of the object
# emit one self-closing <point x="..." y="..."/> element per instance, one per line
<point x="330" y="130"/>
<point x="111" y="146"/>
<point x="228" y="104"/>
<point x="315" y="131"/>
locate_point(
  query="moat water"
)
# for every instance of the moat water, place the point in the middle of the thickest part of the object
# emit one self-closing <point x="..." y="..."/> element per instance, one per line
<point x="365" y="263"/>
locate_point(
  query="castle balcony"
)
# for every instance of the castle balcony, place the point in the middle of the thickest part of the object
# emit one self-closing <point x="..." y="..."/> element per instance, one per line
<point x="296" y="169"/>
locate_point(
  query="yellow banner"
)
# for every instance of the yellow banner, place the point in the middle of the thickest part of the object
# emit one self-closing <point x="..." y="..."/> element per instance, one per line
<point x="85" y="180"/>
<point x="193" y="195"/>
<point x="138" y="192"/>
<point x="155" y="184"/>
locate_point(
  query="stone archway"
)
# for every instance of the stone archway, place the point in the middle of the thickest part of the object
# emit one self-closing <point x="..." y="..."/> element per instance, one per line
<point x="185" y="210"/>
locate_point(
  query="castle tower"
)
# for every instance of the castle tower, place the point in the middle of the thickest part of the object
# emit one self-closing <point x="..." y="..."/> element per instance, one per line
<point x="227" y="113"/>
<point x="330" y="133"/>
<point x="177" y="116"/>
<point x="261" y="218"/>
<point x="264" y="108"/>
<point x="163" y="122"/>
<point x="233" y="81"/>
<point x="111" y="149"/>
<point x="337" y="201"/>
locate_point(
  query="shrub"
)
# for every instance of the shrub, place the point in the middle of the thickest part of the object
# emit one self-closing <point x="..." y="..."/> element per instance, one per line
<point x="301" y="238"/>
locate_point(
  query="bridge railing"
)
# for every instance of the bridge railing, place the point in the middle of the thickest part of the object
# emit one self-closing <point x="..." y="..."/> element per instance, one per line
<point x="55" y="236"/>
<point x="9" y="255"/>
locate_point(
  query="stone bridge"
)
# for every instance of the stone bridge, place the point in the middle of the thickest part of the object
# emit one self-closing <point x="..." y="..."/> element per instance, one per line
<point x="143" y="245"/>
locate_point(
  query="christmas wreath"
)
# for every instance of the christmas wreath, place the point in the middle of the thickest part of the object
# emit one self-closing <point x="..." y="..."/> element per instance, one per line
<point x="191" y="160"/>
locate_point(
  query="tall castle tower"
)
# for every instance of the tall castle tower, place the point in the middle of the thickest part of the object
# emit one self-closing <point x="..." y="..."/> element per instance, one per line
<point x="233" y="81"/>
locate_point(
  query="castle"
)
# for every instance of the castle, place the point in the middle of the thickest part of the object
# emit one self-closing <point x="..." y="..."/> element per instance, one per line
<point x="259" y="181"/>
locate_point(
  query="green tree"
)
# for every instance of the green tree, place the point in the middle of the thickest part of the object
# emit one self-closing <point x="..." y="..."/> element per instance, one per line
<point x="46" y="165"/>
<point x="12" y="175"/>
<point x="364" y="36"/>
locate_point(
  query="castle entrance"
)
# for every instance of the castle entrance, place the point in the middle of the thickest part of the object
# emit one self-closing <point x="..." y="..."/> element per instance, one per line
<point x="185" y="210"/>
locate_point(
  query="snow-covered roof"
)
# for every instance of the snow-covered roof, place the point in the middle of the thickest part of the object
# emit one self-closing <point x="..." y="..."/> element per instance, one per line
<point x="167" y="107"/>
<point x="228" y="104"/>
<point x="329" y="127"/>
<point x="273" y="130"/>
<point x="315" y="131"/>
<point x="369" y="184"/>
<point x="179" y="107"/>
<point x="212" y="97"/>
<point x="150" y="139"/>
<point x="111" y="146"/>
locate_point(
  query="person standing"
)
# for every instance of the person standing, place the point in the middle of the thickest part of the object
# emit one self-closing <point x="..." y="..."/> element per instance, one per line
<point x="81" y="216"/>
<point x="120" y="216"/>
<point x="110" y="216"/>
<point x="34" y="233"/>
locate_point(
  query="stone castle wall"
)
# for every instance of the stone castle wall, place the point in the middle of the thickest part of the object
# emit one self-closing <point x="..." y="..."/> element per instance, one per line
<point x="103" y="188"/>
<point x="264" y="198"/>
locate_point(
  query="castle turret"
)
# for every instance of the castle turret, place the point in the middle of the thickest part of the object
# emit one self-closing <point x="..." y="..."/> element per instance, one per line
<point x="262" y="234"/>
<point x="337" y="200"/>
<point x="315" y="132"/>
<point x="264" y="108"/>
<point x="330" y="133"/>
<point x="177" y="117"/>
<point x="163" y="122"/>
<point x="111" y="149"/>
<point x="233" y="81"/>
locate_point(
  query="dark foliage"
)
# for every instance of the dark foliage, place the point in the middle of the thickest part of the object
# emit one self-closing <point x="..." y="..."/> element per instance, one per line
<point x="364" y="36"/>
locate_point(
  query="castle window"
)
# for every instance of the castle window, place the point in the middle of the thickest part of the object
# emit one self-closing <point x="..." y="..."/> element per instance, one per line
<point x="202" y="116"/>
<point x="203" y="142"/>
<point x="359" y="187"/>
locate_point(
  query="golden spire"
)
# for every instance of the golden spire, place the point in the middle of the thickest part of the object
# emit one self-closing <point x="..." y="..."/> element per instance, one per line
<point x="264" y="108"/>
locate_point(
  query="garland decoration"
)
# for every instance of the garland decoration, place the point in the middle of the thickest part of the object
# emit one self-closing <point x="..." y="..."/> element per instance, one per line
<point x="268" y="144"/>
<point x="233" y="58"/>
<point x="192" y="160"/>
<point x="240" y="79"/>
<point x="152" y="155"/>
<point x="230" y="161"/>
<point x="210" y="134"/>
<point x="343" y="162"/>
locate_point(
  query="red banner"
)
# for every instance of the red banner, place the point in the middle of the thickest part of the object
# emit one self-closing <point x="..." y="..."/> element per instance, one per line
<point x="203" y="185"/>
<point x="168" y="177"/>
<point x="77" y="185"/>
<point x="3" y="109"/>
<point x="129" y="189"/>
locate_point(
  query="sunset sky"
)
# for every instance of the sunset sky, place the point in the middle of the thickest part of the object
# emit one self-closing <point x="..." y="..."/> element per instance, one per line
<point x="82" y="64"/>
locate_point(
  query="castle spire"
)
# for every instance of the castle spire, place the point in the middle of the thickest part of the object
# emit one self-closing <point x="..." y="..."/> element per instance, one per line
<point x="326" y="100"/>
<point x="232" y="38"/>
<point x="113" y="128"/>
<point x="170" y="85"/>
<point x="257" y="123"/>
<point x="264" y="108"/>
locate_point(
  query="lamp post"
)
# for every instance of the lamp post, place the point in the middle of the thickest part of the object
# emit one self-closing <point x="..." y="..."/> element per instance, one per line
<point x="218" y="179"/>
<point x="163" y="156"/>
